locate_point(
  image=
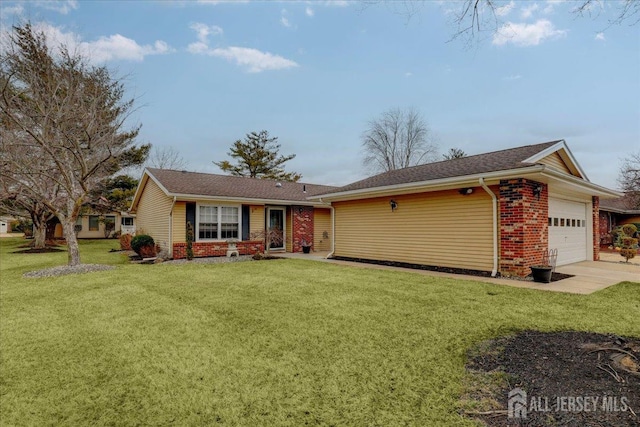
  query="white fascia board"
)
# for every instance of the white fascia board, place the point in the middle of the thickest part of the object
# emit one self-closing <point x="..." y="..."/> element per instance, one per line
<point x="143" y="182"/>
<point x="432" y="185"/>
<point x="582" y="185"/>
<point x="245" y="200"/>
<point x="561" y="145"/>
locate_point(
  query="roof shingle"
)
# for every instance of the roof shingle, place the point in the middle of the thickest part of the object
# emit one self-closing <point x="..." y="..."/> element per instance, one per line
<point x="212" y="185"/>
<point x="482" y="163"/>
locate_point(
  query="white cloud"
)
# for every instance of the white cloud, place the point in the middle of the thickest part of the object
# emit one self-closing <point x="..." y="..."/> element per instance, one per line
<point x="513" y="77"/>
<point x="106" y="48"/>
<point x="336" y="3"/>
<point x="600" y="36"/>
<point x="284" y="21"/>
<point x="253" y="60"/>
<point x="310" y="12"/>
<point x="11" y="10"/>
<point x="527" y="34"/>
<point x="506" y="9"/>
<point x="527" y="12"/>
<point x="60" y="6"/>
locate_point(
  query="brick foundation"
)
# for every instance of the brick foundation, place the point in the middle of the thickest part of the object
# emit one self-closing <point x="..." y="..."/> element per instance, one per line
<point x="595" y="214"/>
<point x="207" y="249"/>
<point x="524" y="227"/>
<point x="301" y="226"/>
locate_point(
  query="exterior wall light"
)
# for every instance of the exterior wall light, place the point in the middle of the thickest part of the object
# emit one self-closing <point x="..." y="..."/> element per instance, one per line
<point x="465" y="191"/>
<point x="394" y="205"/>
<point x="537" y="190"/>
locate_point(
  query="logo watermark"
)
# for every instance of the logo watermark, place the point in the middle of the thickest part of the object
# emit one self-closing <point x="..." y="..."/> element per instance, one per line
<point x="520" y="405"/>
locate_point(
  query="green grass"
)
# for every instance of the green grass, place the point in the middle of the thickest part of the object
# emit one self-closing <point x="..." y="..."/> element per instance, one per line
<point x="287" y="342"/>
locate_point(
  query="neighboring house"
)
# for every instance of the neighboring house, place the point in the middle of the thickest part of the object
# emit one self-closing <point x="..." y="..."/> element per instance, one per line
<point x="614" y="212"/>
<point x="223" y="208"/>
<point x="5" y="224"/>
<point x="495" y="212"/>
<point x="92" y="226"/>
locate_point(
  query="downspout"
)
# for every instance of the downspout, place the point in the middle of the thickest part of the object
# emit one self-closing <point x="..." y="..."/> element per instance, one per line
<point x="333" y="231"/>
<point x="494" y="201"/>
<point x="171" y="227"/>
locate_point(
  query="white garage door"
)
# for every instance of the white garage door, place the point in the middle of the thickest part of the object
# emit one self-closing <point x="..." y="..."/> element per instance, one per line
<point x="568" y="230"/>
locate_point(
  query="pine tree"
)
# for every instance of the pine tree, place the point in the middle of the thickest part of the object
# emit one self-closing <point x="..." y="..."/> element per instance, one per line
<point x="257" y="157"/>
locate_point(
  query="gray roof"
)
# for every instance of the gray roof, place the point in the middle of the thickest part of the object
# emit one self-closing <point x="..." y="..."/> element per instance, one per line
<point x="212" y="185"/>
<point x="482" y="163"/>
<point x="624" y="204"/>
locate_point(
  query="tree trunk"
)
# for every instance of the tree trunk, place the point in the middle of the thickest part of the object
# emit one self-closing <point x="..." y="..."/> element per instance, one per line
<point x="40" y="230"/>
<point x="68" y="227"/>
<point x="39" y="235"/>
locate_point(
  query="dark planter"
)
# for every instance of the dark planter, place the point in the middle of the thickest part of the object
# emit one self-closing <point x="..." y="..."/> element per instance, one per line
<point x="541" y="274"/>
<point x="306" y="249"/>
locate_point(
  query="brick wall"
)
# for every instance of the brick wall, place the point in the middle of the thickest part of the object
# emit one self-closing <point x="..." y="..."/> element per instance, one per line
<point x="523" y="226"/>
<point x="302" y="226"/>
<point x="595" y="214"/>
<point x="207" y="249"/>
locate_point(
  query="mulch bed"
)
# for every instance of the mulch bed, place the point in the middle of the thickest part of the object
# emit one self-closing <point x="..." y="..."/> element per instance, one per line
<point x="38" y="251"/>
<point x="554" y="368"/>
<point x="467" y="272"/>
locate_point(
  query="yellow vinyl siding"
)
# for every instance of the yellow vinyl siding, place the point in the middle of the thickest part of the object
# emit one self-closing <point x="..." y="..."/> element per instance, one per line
<point x="321" y="224"/>
<point x="554" y="160"/>
<point x="442" y="229"/>
<point x="179" y="226"/>
<point x="153" y="214"/>
<point x="256" y="222"/>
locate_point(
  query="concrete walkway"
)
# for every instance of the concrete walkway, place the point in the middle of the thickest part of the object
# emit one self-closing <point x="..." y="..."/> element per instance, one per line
<point x="589" y="276"/>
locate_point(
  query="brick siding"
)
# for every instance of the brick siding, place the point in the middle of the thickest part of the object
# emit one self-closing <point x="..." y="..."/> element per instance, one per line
<point x="207" y="249"/>
<point x="302" y="226"/>
<point x="524" y="227"/>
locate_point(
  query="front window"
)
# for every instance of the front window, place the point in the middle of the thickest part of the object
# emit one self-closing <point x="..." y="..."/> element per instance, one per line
<point x="94" y="223"/>
<point x="218" y="222"/>
<point x="127" y="221"/>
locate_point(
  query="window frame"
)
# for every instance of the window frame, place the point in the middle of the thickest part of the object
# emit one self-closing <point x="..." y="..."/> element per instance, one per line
<point x="126" y="218"/>
<point x="219" y="222"/>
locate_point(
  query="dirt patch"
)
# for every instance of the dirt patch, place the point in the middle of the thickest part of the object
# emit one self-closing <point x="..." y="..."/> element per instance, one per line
<point x="570" y="379"/>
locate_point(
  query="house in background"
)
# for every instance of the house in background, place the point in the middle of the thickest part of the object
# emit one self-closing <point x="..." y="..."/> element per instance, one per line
<point x="5" y="224"/>
<point x="614" y="212"/>
<point x="92" y="226"/>
<point x="492" y="212"/>
<point x="495" y="212"/>
<point x="223" y="208"/>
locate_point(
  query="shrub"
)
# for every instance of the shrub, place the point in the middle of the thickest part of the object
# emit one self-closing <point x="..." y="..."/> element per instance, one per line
<point x="125" y="242"/>
<point x="629" y="246"/>
<point x="142" y="241"/>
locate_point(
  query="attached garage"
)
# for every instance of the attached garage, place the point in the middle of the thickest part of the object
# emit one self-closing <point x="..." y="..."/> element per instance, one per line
<point x="568" y="230"/>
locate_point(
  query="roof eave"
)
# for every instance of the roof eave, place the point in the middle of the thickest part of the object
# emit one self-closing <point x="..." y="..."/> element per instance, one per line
<point x="246" y="200"/>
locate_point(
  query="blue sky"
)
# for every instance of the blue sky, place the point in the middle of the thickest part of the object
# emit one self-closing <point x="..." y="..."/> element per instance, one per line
<point x="313" y="73"/>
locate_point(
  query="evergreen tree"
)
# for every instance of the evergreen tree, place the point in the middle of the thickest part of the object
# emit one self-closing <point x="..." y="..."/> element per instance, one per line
<point x="257" y="157"/>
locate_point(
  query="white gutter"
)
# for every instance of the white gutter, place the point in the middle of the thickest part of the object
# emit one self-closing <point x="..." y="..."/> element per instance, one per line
<point x="494" y="202"/>
<point x="171" y="227"/>
<point x="333" y="232"/>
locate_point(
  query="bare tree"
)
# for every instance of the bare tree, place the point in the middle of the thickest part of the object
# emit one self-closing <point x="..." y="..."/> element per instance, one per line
<point x="166" y="158"/>
<point x="67" y="126"/>
<point x="399" y="138"/>
<point x="629" y="179"/>
<point x="472" y="17"/>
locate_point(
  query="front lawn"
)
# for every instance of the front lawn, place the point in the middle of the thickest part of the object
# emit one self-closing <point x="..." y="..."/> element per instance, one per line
<point x="282" y="342"/>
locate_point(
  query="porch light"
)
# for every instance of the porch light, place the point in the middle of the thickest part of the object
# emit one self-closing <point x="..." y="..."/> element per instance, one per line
<point x="394" y="205"/>
<point x="537" y="190"/>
